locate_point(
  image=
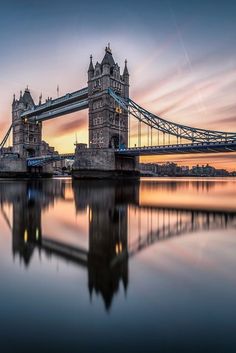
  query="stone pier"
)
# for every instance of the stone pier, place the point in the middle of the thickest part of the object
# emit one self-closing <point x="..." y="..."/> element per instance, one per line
<point x="17" y="168"/>
<point x="99" y="163"/>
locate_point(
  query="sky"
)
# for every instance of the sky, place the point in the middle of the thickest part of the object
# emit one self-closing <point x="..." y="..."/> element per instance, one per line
<point x="181" y="59"/>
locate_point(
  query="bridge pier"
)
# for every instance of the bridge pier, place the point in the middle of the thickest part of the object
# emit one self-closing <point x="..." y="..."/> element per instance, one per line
<point x="45" y="171"/>
<point x="17" y="168"/>
<point x="12" y="167"/>
<point x="100" y="163"/>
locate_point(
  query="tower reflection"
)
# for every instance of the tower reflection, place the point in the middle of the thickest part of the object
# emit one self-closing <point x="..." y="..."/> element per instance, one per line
<point x="29" y="198"/>
<point x="108" y="233"/>
<point x="119" y="226"/>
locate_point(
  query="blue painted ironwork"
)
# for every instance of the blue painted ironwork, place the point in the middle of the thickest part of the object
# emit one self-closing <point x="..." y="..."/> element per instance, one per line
<point x="43" y="160"/>
<point x="69" y="103"/>
<point x="4" y="140"/>
<point x="195" y="135"/>
<point x="204" y="147"/>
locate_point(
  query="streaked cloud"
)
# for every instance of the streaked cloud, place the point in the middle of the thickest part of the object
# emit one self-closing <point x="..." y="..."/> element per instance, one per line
<point x="74" y="123"/>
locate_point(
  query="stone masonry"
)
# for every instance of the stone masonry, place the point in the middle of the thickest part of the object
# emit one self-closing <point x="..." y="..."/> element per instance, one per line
<point x="27" y="135"/>
<point x="108" y="124"/>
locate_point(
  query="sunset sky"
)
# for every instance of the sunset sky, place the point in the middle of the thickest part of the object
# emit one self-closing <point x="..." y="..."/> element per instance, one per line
<point x="181" y="58"/>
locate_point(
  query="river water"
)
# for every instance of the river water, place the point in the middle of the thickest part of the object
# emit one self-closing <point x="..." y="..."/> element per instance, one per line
<point x="102" y="266"/>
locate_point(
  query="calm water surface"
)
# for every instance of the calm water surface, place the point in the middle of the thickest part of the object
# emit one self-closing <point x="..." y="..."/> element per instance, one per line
<point x="145" y="266"/>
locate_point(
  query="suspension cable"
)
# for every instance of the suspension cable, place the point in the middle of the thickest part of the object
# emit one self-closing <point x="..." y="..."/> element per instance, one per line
<point x="180" y="131"/>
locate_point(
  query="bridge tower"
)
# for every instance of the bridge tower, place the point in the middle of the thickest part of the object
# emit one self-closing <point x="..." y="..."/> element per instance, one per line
<point x="27" y="135"/>
<point x="108" y="123"/>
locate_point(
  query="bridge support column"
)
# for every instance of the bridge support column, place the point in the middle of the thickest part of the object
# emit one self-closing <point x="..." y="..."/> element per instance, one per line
<point x="12" y="167"/>
<point x="99" y="163"/>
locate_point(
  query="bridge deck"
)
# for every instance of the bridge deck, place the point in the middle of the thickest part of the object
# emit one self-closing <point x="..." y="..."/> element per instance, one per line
<point x="68" y="252"/>
<point x="179" y="149"/>
<point x="63" y="110"/>
<point x="43" y="160"/>
<point x="60" y="106"/>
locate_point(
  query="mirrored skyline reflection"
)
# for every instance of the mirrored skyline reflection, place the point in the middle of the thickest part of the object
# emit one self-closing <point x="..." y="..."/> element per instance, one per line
<point x="81" y="256"/>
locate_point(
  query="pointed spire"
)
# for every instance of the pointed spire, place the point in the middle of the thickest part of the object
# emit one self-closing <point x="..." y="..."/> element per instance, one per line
<point x="27" y="98"/>
<point x="108" y="58"/>
<point x="126" y="72"/>
<point x="14" y="98"/>
<point x="91" y="68"/>
<point x="21" y="98"/>
<point x="40" y="99"/>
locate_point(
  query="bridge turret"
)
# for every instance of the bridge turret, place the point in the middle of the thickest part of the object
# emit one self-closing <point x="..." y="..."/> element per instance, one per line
<point x="108" y="62"/>
<point x="27" y="99"/>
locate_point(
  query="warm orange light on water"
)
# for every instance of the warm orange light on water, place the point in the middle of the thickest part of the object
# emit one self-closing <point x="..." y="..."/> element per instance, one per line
<point x="25" y="236"/>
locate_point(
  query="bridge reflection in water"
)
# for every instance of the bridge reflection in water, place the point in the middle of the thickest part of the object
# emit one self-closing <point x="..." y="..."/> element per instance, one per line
<point x="121" y="224"/>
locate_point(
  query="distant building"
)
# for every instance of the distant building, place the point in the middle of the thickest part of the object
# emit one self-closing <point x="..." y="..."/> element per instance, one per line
<point x="172" y="169"/>
<point x="46" y="150"/>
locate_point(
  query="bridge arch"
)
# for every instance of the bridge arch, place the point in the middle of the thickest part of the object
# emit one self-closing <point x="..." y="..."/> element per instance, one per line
<point x="116" y="140"/>
<point x="30" y="152"/>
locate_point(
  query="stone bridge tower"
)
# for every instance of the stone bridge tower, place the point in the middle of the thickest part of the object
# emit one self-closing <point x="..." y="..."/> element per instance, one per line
<point x="108" y="123"/>
<point x="27" y="135"/>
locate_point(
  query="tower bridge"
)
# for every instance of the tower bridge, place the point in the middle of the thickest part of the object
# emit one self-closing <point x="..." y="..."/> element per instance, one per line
<point x="111" y="113"/>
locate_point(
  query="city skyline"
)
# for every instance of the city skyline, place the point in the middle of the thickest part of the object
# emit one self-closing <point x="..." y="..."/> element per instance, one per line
<point x="174" y="169"/>
<point x="180" y="59"/>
